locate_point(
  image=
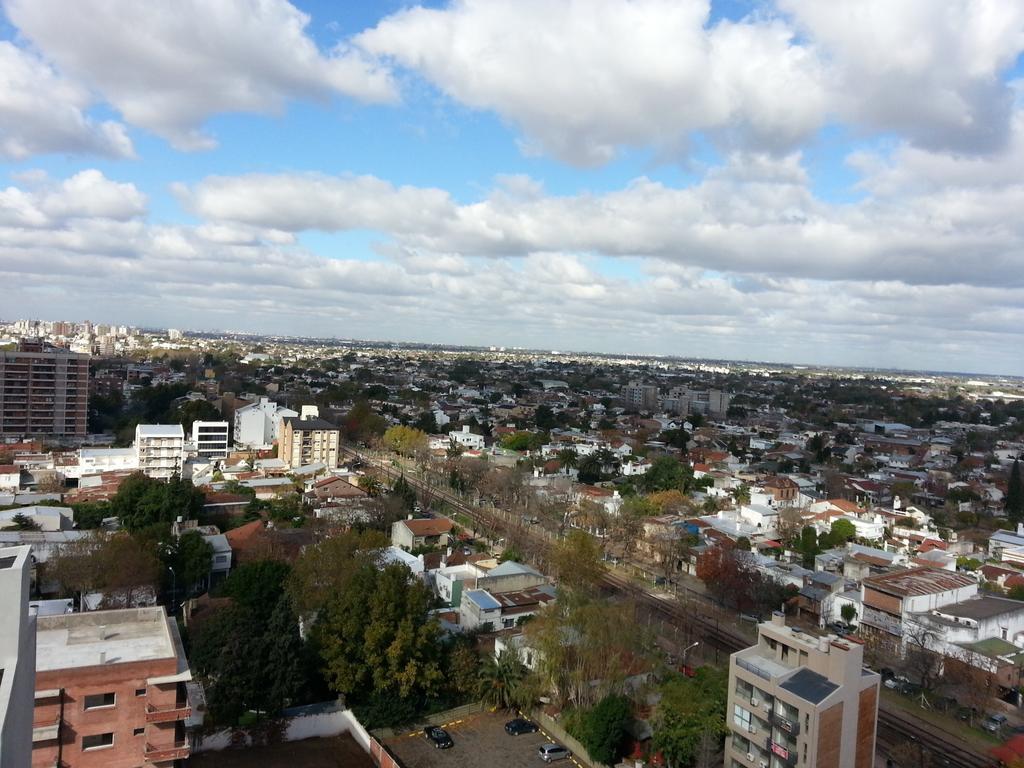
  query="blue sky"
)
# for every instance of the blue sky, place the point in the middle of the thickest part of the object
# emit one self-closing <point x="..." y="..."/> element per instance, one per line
<point x="758" y="180"/>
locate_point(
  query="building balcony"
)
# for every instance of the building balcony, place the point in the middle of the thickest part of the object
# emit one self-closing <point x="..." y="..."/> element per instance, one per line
<point x="787" y="756"/>
<point x="46" y="730"/>
<point x="785" y="724"/>
<point x="166" y="752"/>
<point x="178" y="711"/>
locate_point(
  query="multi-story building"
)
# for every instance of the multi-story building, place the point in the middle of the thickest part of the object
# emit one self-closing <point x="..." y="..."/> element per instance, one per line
<point x="800" y="700"/>
<point x="892" y="600"/>
<point x="43" y="391"/>
<point x="308" y="439"/>
<point x="682" y="400"/>
<point x="17" y="658"/>
<point x="160" y="449"/>
<point x="643" y="397"/>
<point x="258" y="425"/>
<point x="110" y="690"/>
<point x="210" y="439"/>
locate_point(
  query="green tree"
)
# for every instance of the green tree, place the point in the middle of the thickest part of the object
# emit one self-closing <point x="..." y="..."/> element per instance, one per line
<point x="544" y="418"/>
<point x="141" y="502"/>
<point x="808" y="545"/>
<point x="23" y="522"/>
<point x="282" y="657"/>
<point x="377" y="636"/>
<point x="690" y="713"/>
<point x="191" y="557"/>
<point x="257" y="586"/>
<point x="1015" y="494"/>
<point x="743" y="543"/>
<point x="426" y="422"/>
<point x="500" y="679"/>
<point x="841" y="532"/>
<point x="605" y="729"/>
<point x="404" y="491"/>
<point x="325" y="568"/>
<point x="666" y="473"/>
<point x="90" y="514"/>
<point x="194" y="410"/>
<point x="848" y="612"/>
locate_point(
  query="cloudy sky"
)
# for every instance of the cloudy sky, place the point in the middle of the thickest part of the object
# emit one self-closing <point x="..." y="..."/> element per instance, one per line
<point x="834" y="182"/>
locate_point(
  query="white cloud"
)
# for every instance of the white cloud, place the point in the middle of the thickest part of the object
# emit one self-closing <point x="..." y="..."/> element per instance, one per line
<point x="167" y="67"/>
<point x="42" y="112"/>
<point x="87" y="195"/>
<point x="61" y="253"/>
<point x="583" y="78"/>
<point x="926" y="70"/>
<point x="754" y="215"/>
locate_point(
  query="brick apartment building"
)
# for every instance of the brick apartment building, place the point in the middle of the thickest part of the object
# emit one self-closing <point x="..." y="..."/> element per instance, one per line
<point x="308" y="439"/>
<point x="110" y="690"/>
<point x="43" y="391"/>
<point x="797" y="699"/>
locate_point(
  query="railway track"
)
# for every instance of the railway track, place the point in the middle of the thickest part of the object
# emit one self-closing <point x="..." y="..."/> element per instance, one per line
<point x="894" y="726"/>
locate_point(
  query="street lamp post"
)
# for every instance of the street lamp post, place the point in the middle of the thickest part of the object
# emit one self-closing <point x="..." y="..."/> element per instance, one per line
<point x="174" y="587"/>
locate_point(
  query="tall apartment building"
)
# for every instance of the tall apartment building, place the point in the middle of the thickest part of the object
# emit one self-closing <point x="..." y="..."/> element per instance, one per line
<point x="210" y="439"/>
<point x="308" y="439"/>
<point x="17" y="658"/>
<point x="257" y="425"/>
<point x="683" y="400"/>
<point x="160" y="449"/>
<point x="43" y="392"/>
<point x="643" y="397"/>
<point x="796" y="700"/>
<point x="110" y="690"/>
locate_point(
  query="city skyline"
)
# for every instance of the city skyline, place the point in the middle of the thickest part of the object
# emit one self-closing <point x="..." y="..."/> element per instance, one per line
<point x="736" y="180"/>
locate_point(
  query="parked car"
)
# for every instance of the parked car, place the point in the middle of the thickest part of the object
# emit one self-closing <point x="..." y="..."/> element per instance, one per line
<point x="439" y="737"/>
<point x="519" y="726"/>
<point x="896" y="683"/>
<point x="840" y="627"/>
<point x="550" y="752"/>
<point x="994" y="722"/>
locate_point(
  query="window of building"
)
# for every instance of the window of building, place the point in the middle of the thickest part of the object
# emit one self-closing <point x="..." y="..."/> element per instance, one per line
<point x="97" y="700"/>
<point x="140" y="691"/>
<point x="741" y="717"/>
<point x="140" y="731"/>
<point x="97" y="741"/>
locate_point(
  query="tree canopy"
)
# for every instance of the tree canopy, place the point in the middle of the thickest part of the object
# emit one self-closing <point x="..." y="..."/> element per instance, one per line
<point x="377" y="636"/>
<point x="141" y="501"/>
<point x="691" y="715"/>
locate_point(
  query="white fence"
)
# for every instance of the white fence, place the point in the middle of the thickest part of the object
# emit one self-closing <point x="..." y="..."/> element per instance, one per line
<point x="317" y="721"/>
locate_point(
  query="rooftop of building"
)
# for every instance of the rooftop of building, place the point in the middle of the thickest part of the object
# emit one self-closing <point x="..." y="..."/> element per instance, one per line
<point x="809" y="686"/>
<point x="99" y="638"/>
<point x="160" y="430"/>
<point x="919" y="581"/>
<point x="308" y="424"/>
<point x="982" y="607"/>
<point x="428" y="526"/>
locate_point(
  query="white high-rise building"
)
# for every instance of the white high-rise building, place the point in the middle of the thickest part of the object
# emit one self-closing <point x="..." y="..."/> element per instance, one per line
<point x="160" y="448"/>
<point x="17" y="659"/>
<point x="258" y="425"/>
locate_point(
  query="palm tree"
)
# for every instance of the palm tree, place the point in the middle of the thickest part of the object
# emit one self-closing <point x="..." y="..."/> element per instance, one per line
<point x="590" y="468"/>
<point x="500" y="679"/>
<point x="568" y="458"/>
<point x="741" y="495"/>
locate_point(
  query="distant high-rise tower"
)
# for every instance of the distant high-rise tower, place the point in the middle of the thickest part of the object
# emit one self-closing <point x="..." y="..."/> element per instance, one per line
<point x="43" y="391"/>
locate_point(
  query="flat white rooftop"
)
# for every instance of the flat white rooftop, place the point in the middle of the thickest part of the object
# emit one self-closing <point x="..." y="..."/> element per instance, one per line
<point x="102" y="637"/>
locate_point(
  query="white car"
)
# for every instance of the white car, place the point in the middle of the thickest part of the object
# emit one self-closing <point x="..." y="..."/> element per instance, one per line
<point x="551" y="752"/>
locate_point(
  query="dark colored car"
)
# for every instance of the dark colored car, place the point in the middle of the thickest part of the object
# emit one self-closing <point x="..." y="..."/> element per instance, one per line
<point x="519" y="726"/>
<point x="439" y="737"/>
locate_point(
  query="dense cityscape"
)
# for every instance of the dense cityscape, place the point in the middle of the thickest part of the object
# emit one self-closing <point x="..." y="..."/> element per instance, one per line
<point x="664" y="561"/>
<point x="460" y="383"/>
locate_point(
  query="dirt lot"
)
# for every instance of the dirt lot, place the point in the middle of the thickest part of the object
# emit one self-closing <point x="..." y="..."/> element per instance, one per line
<point x="334" y="752"/>
<point x="480" y="740"/>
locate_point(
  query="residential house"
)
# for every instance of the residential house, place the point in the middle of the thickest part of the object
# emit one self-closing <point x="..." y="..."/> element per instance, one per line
<point x="422" y="532"/>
